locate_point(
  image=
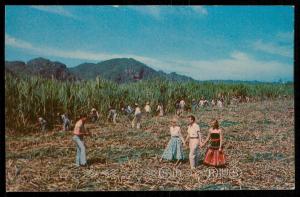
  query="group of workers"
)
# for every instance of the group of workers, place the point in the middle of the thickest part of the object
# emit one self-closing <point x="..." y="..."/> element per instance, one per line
<point x="174" y="150"/>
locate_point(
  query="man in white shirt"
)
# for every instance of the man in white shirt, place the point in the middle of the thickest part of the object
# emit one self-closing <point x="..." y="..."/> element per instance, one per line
<point x="194" y="137"/>
<point x="137" y="117"/>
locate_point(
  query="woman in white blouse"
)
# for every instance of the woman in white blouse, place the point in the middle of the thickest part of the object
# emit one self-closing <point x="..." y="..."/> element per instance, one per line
<point x="174" y="149"/>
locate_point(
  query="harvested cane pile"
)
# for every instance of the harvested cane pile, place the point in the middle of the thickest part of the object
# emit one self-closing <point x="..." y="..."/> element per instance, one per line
<point x="259" y="145"/>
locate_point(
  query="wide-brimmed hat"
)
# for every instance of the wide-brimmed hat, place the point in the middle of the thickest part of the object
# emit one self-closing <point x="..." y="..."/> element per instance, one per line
<point x="93" y="109"/>
<point x="136" y="104"/>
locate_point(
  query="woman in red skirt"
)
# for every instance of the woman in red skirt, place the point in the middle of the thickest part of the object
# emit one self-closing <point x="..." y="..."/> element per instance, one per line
<point x="214" y="155"/>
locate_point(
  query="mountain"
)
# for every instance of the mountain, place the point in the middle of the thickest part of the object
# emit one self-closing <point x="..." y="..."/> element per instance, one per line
<point x="120" y="70"/>
<point x="123" y="70"/>
<point x="41" y="67"/>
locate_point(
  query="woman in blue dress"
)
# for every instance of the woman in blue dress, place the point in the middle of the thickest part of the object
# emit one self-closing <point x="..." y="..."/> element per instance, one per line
<point x="174" y="149"/>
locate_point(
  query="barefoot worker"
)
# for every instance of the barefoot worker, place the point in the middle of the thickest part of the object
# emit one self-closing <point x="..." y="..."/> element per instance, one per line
<point x="194" y="137"/>
<point x="137" y="117"/>
<point x="79" y="132"/>
<point x="214" y="155"/>
<point x="174" y="149"/>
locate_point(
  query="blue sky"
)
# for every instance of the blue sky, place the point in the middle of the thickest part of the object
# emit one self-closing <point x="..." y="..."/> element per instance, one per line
<point x="204" y="42"/>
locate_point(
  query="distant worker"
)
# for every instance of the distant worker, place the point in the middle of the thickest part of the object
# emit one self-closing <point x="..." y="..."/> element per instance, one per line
<point x="160" y="109"/>
<point x="181" y="105"/>
<point x="213" y="102"/>
<point x="94" y="114"/>
<point x="147" y="109"/>
<point x="194" y="105"/>
<point x="201" y="102"/>
<point x="205" y="103"/>
<point x="112" y="114"/>
<point x="66" y="122"/>
<point x="137" y="117"/>
<point x="220" y="103"/>
<point x="128" y="110"/>
<point x="177" y="108"/>
<point x="42" y="123"/>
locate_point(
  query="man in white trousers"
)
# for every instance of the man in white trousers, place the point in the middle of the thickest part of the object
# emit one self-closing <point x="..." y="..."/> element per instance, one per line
<point x="194" y="137"/>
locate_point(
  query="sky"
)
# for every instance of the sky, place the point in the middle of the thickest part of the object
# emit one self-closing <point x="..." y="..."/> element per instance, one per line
<point x="203" y="42"/>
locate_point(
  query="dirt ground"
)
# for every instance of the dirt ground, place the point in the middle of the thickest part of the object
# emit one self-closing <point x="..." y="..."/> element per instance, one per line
<point x="259" y="148"/>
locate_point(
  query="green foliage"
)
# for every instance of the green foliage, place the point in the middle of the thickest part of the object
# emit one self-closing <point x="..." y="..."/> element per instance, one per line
<point x="28" y="98"/>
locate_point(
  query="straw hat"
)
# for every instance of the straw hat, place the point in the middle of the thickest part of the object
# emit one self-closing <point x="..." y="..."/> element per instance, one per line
<point x="93" y="109"/>
<point x="136" y="104"/>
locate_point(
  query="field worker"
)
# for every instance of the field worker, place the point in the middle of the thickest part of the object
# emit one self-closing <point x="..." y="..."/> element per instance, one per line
<point x="112" y="114"/>
<point x="234" y="101"/>
<point x="42" y="123"/>
<point x="128" y="110"/>
<point x="94" y="114"/>
<point x="174" y="149"/>
<point x="213" y="102"/>
<point x="214" y="155"/>
<point x="137" y="117"/>
<point x="220" y="103"/>
<point x="194" y="105"/>
<point x="247" y="99"/>
<point x="79" y="132"/>
<point x="147" y="109"/>
<point x="66" y="122"/>
<point x="177" y="107"/>
<point x="181" y="105"/>
<point x="201" y="102"/>
<point x="160" y="109"/>
<point x="194" y="137"/>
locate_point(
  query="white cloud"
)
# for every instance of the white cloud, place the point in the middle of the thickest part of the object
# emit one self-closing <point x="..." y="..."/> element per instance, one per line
<point x="59" y="10"/>
<point x="238" y="65"/>
<point x="273" y="48"/>
<point x="200" y="10"/>
<point x="158" y="11"/>
<point x="153" y="11"/>
<point x="11" y="41"/>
